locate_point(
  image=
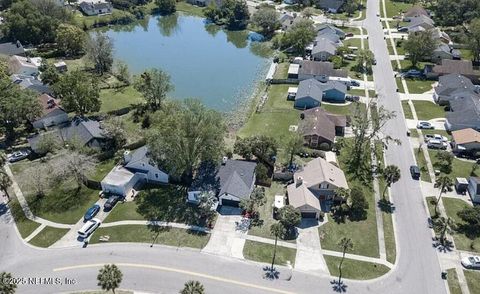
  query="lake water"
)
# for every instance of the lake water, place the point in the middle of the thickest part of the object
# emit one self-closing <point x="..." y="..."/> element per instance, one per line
<point x="219" y="67"/>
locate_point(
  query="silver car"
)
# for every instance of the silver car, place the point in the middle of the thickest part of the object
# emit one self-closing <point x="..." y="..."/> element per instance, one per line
<point x="472" y="262"/>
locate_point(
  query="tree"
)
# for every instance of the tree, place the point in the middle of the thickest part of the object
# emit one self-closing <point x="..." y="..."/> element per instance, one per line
<point x="77" y="166"/>
<point x="70" y="39"/>
<point x="39" y="178"/>
<point x="109" y="277"/>
<point x="166" y="6"/>
<point x="299" y="35"/>
<point x="5" y="182"/>
<point x="193" y="287"/>
<point x="276" y="230"/>
<point x="154" y="84"/>
<point x="419" y="46"/>
<point x="79" y="92"/>
<point x="212" y="12"/>
<point x="47" y="143"/>
<point x="350" y="7"/>
<point x="391" y="174"/>
<point x="471" y="216"/>
<point x="49" y="74"/>
<point x="444" y="226"/>
<point x="257" y="199"/>
<point x="114" y="131"/>
<point x="452" y="13"/>
<point x="473" y="38"/>
<point x="264" y="148"/>
<point x="267" y="19"/>
<point x="185" y="133"/>
<point x="289" y="217"/>
<point x="345" y="244"/>
<point x="121" y="72"/>
<point x="236" y="13"/>
<point x="308" y="12"/>
<point x="5" y="286"/>
<point x="444" y="183"/>
<point x="445" y="159"/>
<point x="342" y="51"/>
<point x="365" y="60"/>
<point x="358" y="204"/>
<point x="100" y="52"/>
<point x="293" y="144"/>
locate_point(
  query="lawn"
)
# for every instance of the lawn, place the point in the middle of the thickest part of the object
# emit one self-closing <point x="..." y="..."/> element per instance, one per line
<point x="422" y="164"/>
<point x="453" y="283"/>
<point x="102" y="169"/>
<point x="48" y="236"/>
<point x="24" y="225"/>
<point x="361" y="92"/>
<point x="353" y="42"/>
<point x="427" y="110"/>
<point x="395" y="8"/>
<point x="282" y="71"/>
<point x="418" y="86"/>
<point x="431" y="204"/>
<point x="414" y="133"/>
<point x="462" y="242"/>
<point x="460" y="168"/>
<point x="400" y="85"/>
<point x="143" y="234"/>
<point x="407" y="111"/>
<point x="262" y="252"/>
<point x="113" y="99"/>
<point x="133" y="129"/>
<point x="355" y="269"/>
<point x="354" y="30"/>
<point x="190" y="9"/>
<point x="472" y="278"/>
<point x="407" y="64"/>
<point x="124" y="211"/>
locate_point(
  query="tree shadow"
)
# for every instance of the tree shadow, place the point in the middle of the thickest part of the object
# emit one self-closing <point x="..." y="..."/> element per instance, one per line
<point x="386" y="206"/>
<point x="338" y="287"/>
<point x="270" y="273"/>
<point x="445" y="246"/>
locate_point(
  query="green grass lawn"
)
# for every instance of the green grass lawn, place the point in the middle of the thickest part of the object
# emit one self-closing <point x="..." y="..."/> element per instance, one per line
<point x="407" y="111"/>
<point x="133" y="129"/>
<point x="24" y="225"/>
<point x="395" y="8"/>
<point x="422" y="164"/>
<point x="462" y="242"/>
<point x="460" y="168"/>
<point x="361" y="92"/>
<point x="453" y="283"/>
<point x="143" y="234"/>
<point x="354" y="30"/>
<point x="431" y="204"/>
<point x="124" y="211"/>
<point x="414" y="133"/>
<point x="353" y="42"/>
<point x="466" y="54"/>
<point x="472" y="278"/>
<point x="355" y="269"/>
<point x="190" y="9"/>
<point x="282" y="71"/>
<point x="407" y="64"/>
<point x="102" y="169"/>
<point x="48" y="236"/>
<point x="262" y="252"/>
<point x="418" y="86"/>
<point x="400" y="85"/>
<point x="427" y="110"/>
<point x="113" y="99"/>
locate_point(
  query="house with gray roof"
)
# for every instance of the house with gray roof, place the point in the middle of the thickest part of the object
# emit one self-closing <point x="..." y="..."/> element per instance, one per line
<point x="323" y="49"/>
<point x="31" y="83"/>
<point x="236" y="181"/>
<point x="311" y="93"/>
<point x="451" y="86"/>
<point x="96" y="7"/>
<point x="12" y="48"/>
<point x="473" y="189"/>
<point x="331" y="6"/>
<point x="329" y="29"/>
<point x="136" y="170"/>
<point x="465" y="113"/>
<point x="418" y="24"/>
<point x="320" y="70"/>
<point x="444" y="51"/>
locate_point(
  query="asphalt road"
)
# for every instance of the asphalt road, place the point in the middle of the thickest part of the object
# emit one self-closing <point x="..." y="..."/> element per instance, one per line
<point x="165" y="270"/>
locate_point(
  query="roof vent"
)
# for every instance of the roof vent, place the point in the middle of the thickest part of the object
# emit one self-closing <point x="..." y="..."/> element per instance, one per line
<point x="224" y="160"/>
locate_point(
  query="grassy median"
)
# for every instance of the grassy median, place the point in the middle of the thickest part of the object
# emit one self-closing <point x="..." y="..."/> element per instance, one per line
<point x="355" y="269"/>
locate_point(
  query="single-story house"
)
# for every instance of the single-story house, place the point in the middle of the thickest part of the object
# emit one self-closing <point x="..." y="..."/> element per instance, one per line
<point x="311" y="93"/>
<point x="60" y="66"/>
<point x="24" y="65"/>
<point x="465" y="113"/>
<point x="419" y="24"/>
<point x="441" y="36"/>
<point x="415" y="11"/>
<point x="236" y="181"/>
<point x="444" y="51"/>
<point x="96" y="7"/>
<point x="319" y="127"/>
<point x="451" y="86"/>
<point x="323" y="49"/>
<point x="474" y="189"/>
<point x="31" y="83"/>
<point x="317" y="181"/>
<point x="12" y="48"/>
<point x="329" y="29"/>
<point x="319" y="70"/>
<point x="52" y="113"/>
<point x="331" y="6"/>
<point x="137" y="168"/>
<point x="204" y="3"/>
<point x="447" y="66"/>
<point x="466" y="140"/>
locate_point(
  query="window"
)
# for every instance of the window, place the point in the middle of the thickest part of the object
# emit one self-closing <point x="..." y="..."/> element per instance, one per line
<point x="156" y="176"/>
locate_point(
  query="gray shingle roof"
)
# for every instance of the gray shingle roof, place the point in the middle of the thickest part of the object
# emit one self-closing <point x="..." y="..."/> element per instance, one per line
<point x="12" y="49"/>
<point x="324" y="45"/>
<point x="236" y="178"/>
<point x="330" y="4"/>
<point x="465" y="111"/>
<point x="454" y="85"/>
<point x="139" y="159"/>
<point x="315" y="89"/>
<point x="318" y="68"/>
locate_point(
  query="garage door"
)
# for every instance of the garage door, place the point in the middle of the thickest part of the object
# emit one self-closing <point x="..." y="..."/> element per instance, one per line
<point x="229" y="202"/>
<point x="309" y="215"/>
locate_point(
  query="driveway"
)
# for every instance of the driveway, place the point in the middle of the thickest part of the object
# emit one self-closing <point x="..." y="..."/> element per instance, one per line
<point x="225" y="239"/>
<point x="309" y="256"/>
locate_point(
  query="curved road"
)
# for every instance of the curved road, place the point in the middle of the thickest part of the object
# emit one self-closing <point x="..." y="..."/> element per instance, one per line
<point x="164" y="269"/>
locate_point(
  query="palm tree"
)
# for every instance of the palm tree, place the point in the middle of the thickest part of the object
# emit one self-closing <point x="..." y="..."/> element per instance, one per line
<point x="276" y="230"/>
<point x="343" y="193"/>
<point x="5" y="182"/>
<point x="193" y="287"/>
<point x="443" y="182"/>
<point x="346" y="244"/>
<point x="5" y="286"/>
<point x="109" y="277"/>
<point x="444" y="226"/>
<point x="391" y="174"/>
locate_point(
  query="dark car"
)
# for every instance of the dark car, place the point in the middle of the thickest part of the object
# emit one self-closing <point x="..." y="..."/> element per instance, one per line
<point x="91" y="212"/>
<point x="112" y="200"/>
<point x="355" y="83"/>
<point x="415" y="172"/>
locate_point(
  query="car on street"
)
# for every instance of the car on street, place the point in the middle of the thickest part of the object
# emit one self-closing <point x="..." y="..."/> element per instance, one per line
<point x="415" y="172"/>
<point x="18" y="155"/>
<point x="89" y="227"/>
<point x="437" y="144"/>
<point x="472" y="262"/>
<point x="112" y="200"/>
<point x="91" y="212"/>
<point x="425" y="125"/>
<point x="354" y="83"/>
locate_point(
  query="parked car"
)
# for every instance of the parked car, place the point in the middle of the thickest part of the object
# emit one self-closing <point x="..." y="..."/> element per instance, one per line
<point x="112" y="200"/>
<point x="354" y="83"/>
<point x="428" y="137"/>
<point x="437" y="144"/>
<point x="91" y="212"/>
<point x="89" y="227"/>
<point x="425" y="125"/>
<point x="472" y="262"/>
<point x="349" y="34"/>
<point x="402" y="29"/>
<point x="415" y="172"/>
<point x="350" y="56"/>
<point x="440" y="138"/>
<point x="18" y="155"/>
<point x="412" y="73"/>
<point x="352" y="98"/>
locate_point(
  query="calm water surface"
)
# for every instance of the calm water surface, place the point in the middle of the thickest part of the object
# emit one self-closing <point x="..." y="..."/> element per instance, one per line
<point x="219" y="67"/>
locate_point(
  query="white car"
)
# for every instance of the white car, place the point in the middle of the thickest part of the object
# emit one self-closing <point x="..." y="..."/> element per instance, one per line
<point x="437" y="144"/>
<point x="424" y="125"/>
<point x="89" y="227"/>
<point x="440" y="138"/>
<point x="471" y="262"/>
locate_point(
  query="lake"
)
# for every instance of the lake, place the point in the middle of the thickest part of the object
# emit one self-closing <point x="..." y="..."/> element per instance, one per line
<point x="217" y="66"/>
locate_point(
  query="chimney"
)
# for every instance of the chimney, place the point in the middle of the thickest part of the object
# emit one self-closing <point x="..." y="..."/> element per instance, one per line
<point x="299" y="181"/>
<point x="127" y="156"/>
<point x="224" y="160"/>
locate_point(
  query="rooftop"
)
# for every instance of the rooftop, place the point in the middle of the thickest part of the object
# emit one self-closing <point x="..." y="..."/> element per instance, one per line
<point x="465" y="136"/>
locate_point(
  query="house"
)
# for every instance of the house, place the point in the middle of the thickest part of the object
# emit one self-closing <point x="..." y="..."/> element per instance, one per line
<point x="329" y="29"/>
<point x="311" y="93"/>
<point x="447" y="66"/>
<point x="465" y="113"/>
<point x="81" y="131"/>
<point x="317" y="181"/>
<point x="444" y="51"/>
<point x="474" y="189"/>
<point x="466" y="141"/>
<point x="96" y="7"/>
<point x="204" y="3"/>
<point x="52" y="113"/>
<point x="419" y="24"/>
<point x="31" y="83"/>
<point x="451" y="86"/>
<point x="60" y="66"/>
<point x="415" y="11"/>
<point x="287" y="20"/>
<point x="323" y="49"/>
<point x="12" y="48"/>
<point x="321" y="71"/>
<point x="137" y="169"/>
<point x="24" y="65"/>
<point x="236" y="181"/>
<point x="441" y="36"/>
<point x="331" y="6"/>
<point x="319" y="128"/>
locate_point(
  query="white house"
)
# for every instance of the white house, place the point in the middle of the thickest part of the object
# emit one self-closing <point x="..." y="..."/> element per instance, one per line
<point x="52" y="113"/>
<point x="96" y="7"/>
<point x="24" y="65"/>
<point x="136" y="169"/>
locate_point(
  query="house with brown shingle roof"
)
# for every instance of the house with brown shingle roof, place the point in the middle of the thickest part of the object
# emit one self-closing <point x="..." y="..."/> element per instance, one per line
<point x="319" y="128"/>
<point x="447" y="66"/>
<point x="52" y="113"/>
<point x="466" y="140"/>
<point x="415" y="11"/>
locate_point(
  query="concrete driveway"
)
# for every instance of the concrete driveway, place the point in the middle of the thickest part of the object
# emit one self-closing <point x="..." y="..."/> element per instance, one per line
<point x="309" y="256"/>
<point x="225" y="239"/>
